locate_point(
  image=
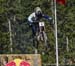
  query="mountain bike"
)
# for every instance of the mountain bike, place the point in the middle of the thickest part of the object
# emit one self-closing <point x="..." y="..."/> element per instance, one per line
<point x="40" y="34"/>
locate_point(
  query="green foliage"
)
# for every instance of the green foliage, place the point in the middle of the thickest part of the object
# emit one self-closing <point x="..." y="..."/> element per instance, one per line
<point x="21" y="33"/>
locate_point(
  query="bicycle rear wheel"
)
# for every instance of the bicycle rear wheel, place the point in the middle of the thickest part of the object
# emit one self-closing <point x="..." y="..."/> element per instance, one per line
<point x="44" y="38"/>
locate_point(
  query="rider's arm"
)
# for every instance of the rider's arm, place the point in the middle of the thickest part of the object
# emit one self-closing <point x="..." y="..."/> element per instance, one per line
<point x="30" y="21"/>
<point x="50" y="19"/>
<point x="47" y="17"/>
<point x="30" y="18"/>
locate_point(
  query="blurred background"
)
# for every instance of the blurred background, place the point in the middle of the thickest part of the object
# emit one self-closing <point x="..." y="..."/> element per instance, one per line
<point x="16" y="36"/>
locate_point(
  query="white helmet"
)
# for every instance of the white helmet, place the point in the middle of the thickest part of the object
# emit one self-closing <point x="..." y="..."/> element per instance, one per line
<point x="38" y="10"/>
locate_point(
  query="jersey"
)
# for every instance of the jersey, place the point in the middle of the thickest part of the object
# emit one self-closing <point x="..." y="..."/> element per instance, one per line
<point x="33" y="18"/>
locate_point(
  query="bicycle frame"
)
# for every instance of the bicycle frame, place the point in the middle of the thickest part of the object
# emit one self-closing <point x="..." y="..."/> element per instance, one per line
<point x="40" y="34"/>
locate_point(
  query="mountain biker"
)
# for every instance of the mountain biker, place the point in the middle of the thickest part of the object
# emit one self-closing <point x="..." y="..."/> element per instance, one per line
<point x="35" y="17"/>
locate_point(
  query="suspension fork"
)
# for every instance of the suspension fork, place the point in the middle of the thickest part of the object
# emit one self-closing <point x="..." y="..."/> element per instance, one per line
<point x="41" y="30"/>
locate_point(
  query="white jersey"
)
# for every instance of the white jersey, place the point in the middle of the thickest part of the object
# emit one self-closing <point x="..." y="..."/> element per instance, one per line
<point x="32" y="16"/>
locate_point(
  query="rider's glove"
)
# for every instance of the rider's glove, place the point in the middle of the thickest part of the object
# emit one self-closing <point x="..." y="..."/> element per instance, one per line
<point x="51" y="22"/>
<point x="30" y="25"/>
<point x="50" y="18"/>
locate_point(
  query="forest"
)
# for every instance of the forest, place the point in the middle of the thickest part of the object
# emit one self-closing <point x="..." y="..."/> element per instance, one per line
<point x="16" y="35"/>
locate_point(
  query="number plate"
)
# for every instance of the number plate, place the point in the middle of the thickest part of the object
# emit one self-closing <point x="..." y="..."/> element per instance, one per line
<point x="41" y="24"/>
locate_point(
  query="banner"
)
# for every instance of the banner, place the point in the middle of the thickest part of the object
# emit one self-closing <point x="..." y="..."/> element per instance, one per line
<point x="62" y="2"/>
<point x="18" y="62"/>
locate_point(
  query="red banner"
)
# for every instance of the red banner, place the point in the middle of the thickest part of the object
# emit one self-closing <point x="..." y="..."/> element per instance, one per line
<point x="23" y="63"/>
<point x="61" y="2"/>
<point x="11" y="64"/>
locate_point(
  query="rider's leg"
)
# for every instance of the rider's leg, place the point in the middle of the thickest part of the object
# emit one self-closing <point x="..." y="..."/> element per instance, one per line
<point x="34" y="35"/>
<point x="33" y="30"/>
